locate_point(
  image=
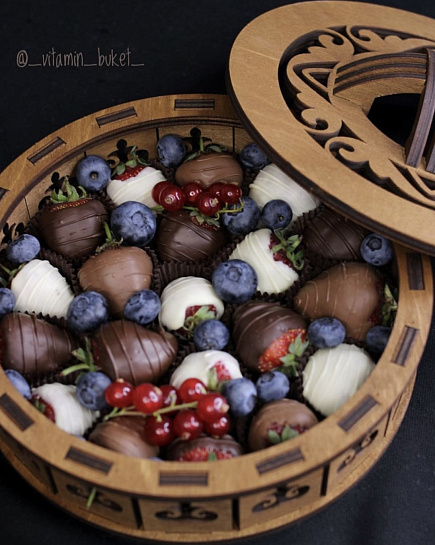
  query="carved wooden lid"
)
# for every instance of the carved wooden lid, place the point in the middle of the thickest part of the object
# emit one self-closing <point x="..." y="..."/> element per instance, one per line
<point x="304" y="77"/>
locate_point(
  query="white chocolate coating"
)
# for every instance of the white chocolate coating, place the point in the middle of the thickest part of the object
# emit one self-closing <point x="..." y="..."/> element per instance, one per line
<point x="273" y="183"/>
<point x="198" y="365"/>
<point x="137" y="189"/>
<point x="40" y="288"/>
<point x="70" y="415"/>
<point x="333" y="375"/>
<point x="273" y="276"/>
<point x="183" y="293"/>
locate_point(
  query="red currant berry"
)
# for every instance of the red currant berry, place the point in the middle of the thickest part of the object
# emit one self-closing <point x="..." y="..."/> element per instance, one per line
<point x="208" y="205"/>
<point x="147" y="398"/>
<point x="192" y="191"/>
<point x="212" y="406"/>
<point x="230" y="194"/>
<point x="119" y="394"/>
<point x="157" y="190"/>
<point x="192" y="389"/>
<point x="170" y="395"/>
<point x="218" y="427"/>
<point x="187" y="425"/>
<point x="159" y="431"/>
<point x="215" y="189"/>
<point x="172" y="198"/>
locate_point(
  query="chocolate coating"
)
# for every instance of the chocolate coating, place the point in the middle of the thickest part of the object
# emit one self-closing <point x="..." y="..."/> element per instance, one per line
<point x="348" y="291"/>
<point x="226" y="443"/>
<point x="333" y="236"/>
<point x="124" y="434"/>
<point x="208" y="169"/>
<point x="257" y="324"/>
<point x="278" y="414"/>
<point x="117" y="273"/>
<point x="33" y="346"/>
<point x="129" y="351"/>
<point x="178" y="238"/>
<point x="74" y="230"/>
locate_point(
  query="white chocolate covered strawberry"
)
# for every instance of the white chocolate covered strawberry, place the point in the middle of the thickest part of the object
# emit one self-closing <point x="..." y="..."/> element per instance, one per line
<point x="269" y="257"/>
<point x="209" y="366"/>
<point x="59" y="403"/>
<point x="40" y="288"/>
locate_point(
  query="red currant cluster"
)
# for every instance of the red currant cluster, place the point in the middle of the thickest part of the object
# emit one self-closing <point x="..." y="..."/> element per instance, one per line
<point x="186" y="412"/>
<point x="208" y="202"/>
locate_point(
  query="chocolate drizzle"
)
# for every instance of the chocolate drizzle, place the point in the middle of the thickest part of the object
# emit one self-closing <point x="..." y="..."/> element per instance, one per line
<point x="208" y="169"/>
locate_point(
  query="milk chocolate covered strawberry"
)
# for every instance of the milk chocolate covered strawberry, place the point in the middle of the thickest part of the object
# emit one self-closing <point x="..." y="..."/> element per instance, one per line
<point x="351" y="292"/>
<point x="207" y="164"/>
<point x="73" y="223"/>
<point x="33" y="346"/>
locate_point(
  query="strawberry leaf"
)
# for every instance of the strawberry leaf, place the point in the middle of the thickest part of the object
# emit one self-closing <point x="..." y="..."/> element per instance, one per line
<point x="212" y="456"/>
<point x="274" y="437"/>
<point x="288" y="433"/>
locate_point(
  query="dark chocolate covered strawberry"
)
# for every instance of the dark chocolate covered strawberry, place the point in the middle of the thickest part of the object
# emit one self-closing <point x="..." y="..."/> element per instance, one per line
<point x="268" y="335"/>
<point x="33" y="346"/>
<point x="352" y="292"/>
<point x="204" y="449"/>
<point x="124" y="349"/>
<point x="279" y="421"/>
<point x="181" y="237"/>
<point x="72" y="225"/>
<point x="207" y="164"/>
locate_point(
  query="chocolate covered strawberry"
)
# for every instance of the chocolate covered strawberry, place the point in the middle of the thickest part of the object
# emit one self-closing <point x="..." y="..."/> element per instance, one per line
<point x="276" y="259"/>
<point x="269" y="335"/>
<point x="72" y="224"/>
<point x="117" y="272"/>
<point x="124" y="349"/>
<point x="59" y="403"/>
<point x="352" y="292"/>
<point x="207" y="164"/>
<point x="204" y="449"/>
<point x="39" y="287"/>
<point x="279" y="421"/>
<point x="33" y="346"/>
<point x="133" y="178"/>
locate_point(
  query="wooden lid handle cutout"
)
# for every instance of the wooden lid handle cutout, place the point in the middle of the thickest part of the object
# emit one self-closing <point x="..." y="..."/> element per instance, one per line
<point x="319" y="74"/>
<point x="423" y="122"/>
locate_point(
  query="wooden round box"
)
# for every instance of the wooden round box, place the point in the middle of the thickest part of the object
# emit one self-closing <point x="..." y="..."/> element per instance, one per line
<point x="207" y="501"/>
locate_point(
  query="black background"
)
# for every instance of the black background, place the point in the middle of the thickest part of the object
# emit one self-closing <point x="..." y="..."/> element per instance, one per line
<point x="183" y="47"/>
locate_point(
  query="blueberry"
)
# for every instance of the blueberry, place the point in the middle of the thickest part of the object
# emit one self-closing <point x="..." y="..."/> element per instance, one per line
<point x="19" y="382"/>
<point x="326" y="332"/>
<point x="7" y="301"/>
<point x="134" y="222"/>
<point x="142" y="307"/>
<point x="23" y="249"/>
<point x="244" y="221"/>
<point x="252" y="157"/>
<point x="87" y="311"/>
<point x="171" y="150"/>
<point x="377" y="339"/>
<point x="211" y="335"/>
<point x="235" y="281"/>
<point x="272" y="385"/>
<point x="241" y="395"/>
<point x="93" y="173"/>
<point x="376" y="250"/>
<point x="90" y="390"/>
<point x="276" y="214"/>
